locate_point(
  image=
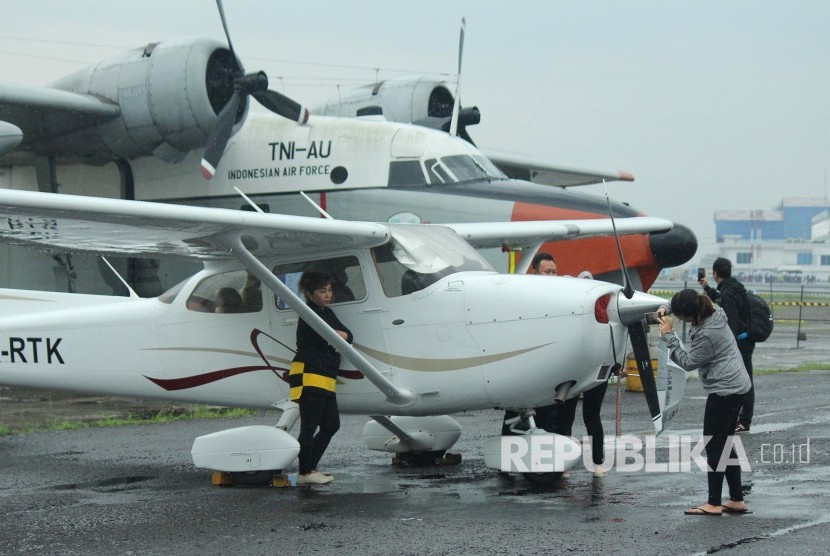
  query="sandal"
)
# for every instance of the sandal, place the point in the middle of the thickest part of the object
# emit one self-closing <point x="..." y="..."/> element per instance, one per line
<point x="700" y="511"/>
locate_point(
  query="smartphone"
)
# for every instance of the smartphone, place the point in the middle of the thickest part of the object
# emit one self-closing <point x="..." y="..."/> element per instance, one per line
<point x="701" y="273"/>
<point x="653" y="318"/>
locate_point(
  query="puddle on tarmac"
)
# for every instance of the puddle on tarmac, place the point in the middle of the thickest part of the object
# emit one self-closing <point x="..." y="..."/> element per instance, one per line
<point x="114" y="484"/>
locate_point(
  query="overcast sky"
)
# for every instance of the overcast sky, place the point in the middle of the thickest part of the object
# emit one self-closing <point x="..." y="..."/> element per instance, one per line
<point x="712" y="105"/>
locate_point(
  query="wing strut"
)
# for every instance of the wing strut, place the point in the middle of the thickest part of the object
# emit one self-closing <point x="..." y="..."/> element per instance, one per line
<point x="396" y="396"/>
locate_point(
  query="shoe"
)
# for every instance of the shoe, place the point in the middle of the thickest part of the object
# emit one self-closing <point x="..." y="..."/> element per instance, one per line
<point x="700" y="511"/>
<point x="741" y="428"/>
<point x="314" y="478"/>
<point x="600" y="471"/>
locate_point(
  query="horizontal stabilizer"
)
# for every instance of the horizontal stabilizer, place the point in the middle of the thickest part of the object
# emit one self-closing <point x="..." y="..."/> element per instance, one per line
<point x="521" y="167"/>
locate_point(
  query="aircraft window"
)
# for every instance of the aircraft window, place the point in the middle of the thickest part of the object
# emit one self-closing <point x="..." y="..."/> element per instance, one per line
<point x="406" y="172"/>
<point x="436" y="173"/>
<point x="466" y="168"/>
<point x="418" y="256"/>
<point x="237" y="291"/>
<point x="491" y="169"/>
<point x="346" y="278"/>
<point x="170" y="295"/>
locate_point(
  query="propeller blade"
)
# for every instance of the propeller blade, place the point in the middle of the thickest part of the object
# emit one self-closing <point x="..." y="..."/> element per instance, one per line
<point x="239" y="68"/>
<point x="282" y="105"/>
<point x="642" y="355"/>
<point x="456" y="107"/>
<point x="253" y="84"/>
<point x="219" y="135"/>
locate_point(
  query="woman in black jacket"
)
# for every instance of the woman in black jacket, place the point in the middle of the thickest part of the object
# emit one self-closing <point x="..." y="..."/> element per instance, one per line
<point x="313" y="377"/>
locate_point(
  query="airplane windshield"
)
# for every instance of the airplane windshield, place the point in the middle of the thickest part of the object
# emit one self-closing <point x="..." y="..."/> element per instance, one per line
<point x="469" y="168"/>
<point x="418" y="256"/>
<point x="448" y="169"/>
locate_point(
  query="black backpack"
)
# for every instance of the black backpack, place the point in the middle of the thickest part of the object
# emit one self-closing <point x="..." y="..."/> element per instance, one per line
<point x="759" y="318"/>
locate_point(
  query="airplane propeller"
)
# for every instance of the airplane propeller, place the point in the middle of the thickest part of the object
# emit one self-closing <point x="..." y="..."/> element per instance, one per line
<point x="637" y="333"/>
<point x="253" y="84"/>
<point x="460" y="118"/>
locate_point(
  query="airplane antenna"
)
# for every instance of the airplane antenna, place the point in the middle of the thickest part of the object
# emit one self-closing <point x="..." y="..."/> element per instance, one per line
<point x="628" y="290"/>
<point x="315" y="205"/>
<point x="248" y="199"/>
<point x="456" y="107"/>
<point x="133" y="295"/>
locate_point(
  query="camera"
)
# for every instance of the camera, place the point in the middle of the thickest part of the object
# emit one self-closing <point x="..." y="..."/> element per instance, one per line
<point x="701" y="273"/>
<point x="653" y="318"/>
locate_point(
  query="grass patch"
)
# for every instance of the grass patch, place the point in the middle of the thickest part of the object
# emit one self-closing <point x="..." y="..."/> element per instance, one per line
<point x="166" y="415"/>
<point x="800" y="368"/>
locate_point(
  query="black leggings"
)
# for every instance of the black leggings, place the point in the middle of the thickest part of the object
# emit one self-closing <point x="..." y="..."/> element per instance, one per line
<point x="562" y="419"/>
<point x="316" y="410"/>
<point x="719" y="420"/>
<point x="748" y="406"/>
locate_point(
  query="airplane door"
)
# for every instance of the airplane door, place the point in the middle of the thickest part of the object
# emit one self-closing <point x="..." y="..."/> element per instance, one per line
<point x="426" y="335"/>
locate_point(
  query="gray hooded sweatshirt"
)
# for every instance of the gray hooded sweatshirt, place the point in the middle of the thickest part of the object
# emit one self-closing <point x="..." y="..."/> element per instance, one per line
<point x="712" y="350"/>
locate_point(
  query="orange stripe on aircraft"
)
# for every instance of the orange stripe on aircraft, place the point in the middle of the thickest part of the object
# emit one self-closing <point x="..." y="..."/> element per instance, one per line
<point x="598" y="255"/>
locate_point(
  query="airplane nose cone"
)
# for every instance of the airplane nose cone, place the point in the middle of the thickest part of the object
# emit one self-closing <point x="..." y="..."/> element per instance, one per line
<point x="675" y="247"/>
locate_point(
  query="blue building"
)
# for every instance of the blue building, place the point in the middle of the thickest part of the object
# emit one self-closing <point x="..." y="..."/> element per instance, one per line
<point x="790" y="243"/>
<point x="790" y="220"/>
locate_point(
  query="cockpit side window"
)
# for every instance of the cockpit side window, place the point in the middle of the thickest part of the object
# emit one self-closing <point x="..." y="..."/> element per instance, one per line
<point x="406" y="173"/>
<point x="347" y="282"/>
<point x="237" y="291"/>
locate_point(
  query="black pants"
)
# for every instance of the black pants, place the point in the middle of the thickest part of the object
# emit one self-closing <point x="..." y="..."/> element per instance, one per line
<point x="719" y="420"/>
<point x="316" y="410"/>
<point x="745" y="416"/>
<point x="562" y="419"/>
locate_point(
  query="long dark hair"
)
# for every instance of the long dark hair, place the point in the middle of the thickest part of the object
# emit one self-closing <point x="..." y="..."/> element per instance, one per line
<point x="692" y="306"/>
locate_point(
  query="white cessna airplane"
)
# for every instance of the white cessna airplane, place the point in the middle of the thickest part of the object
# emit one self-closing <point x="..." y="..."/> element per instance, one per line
<point x="436" y="329"/>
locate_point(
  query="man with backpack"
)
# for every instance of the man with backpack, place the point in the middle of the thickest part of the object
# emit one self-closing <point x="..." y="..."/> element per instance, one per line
<point x="731" y="295"/>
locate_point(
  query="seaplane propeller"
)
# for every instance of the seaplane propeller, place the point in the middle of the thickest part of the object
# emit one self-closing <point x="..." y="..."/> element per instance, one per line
<point x="230" y="74"/>
<point x="457" y="121"/>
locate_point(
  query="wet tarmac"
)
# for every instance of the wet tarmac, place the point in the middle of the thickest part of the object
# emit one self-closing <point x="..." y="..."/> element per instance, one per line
<point x="134" y="490"/>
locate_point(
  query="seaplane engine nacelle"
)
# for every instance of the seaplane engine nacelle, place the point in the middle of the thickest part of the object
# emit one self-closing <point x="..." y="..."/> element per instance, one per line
<point x="168" y="95"/>
<point x="400" y="100"/>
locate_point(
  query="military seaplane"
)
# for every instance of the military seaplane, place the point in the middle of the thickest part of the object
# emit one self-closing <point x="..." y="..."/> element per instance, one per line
<point x="142" y="124"/>
<point x="436" y="329"/>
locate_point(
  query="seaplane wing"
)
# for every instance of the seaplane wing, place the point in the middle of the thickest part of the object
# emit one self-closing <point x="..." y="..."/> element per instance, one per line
<point x="43" y="114"/>
<point x="529" y="233"/>
<point x="113" y="226"/>
<point x="538" y="171"/>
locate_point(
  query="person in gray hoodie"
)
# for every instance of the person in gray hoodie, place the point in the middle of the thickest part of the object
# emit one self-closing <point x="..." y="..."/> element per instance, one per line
<point x="712" y="350"/>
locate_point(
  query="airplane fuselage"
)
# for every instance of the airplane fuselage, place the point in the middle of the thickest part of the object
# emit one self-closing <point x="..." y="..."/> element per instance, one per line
<point x="470" y="340"/>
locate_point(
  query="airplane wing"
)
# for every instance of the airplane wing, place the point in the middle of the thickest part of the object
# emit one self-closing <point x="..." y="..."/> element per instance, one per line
<point x="43" y="113"/>
<point x="524" y="168"/>
<point x="113" y="226"/>
<point x="530" y="233"/>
